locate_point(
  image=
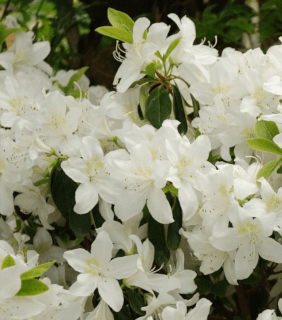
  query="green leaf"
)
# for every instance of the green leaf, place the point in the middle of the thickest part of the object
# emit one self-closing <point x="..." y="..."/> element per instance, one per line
<point x="266" y="129"/>
<point x="150" y="69"/>
<point x="268" y="168"/>
<point x="136" y="302"/>
<point x="219" y="288"/>
<point x="157" y="236"/>
<point x="116" y="33"/>
<point x="8" y="262"/>
<point x="63" y="191"/>
<point x="75" y="78"/>
<point x="143" y="97"/>
<point x="204" y="285"/>
<point x="159" y="55"/>
<point x="279" y="170"/>
<point x="80" y="223"/>
<point x="277" y="235"/>
<point x="171" y="188"/>
<point x="264" y="145"/>
<point x="179" y="111"/>
<point x="158" y="107"/>
<point x="36" y="271"/>
<point x="32" y="287"/>
<point x="171" y="47"/>
<point x="173" y="236"/>
<point x="65" y="238"/>
<point x="120" y="20"/>
<point x="141" y="81"/>
<point x="40" y="182"/>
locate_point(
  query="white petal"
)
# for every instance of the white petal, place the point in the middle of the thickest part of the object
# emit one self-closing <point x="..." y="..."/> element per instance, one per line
<point x="102" y="247"/>
<point x="124" y="267"/>
<point x="270" y="250"/>
<point x="86" y="197"/>
<point x="91" y="147"/>
<point x="42" y="236"/>
<point x="76" y="259"/>
<point x="139" y="27"/>
<point x="20" y="308"/>
<point x="111" y="293"/>
<point x="74" y="168"/>
<point x="201" y="311"/>
<point x="84" y="286"/>
<point x="244" y="263"/>
<point x="39" y="51"/>
<point x="159" y="206"/>
<point x="10" y="282"/>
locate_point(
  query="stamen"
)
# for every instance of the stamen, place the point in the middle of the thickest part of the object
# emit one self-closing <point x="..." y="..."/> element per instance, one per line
<point x="203" y="40"/>
<point x="80" y="93"/>
<point x="212" y="46"/>
<point x="118" y="53"/>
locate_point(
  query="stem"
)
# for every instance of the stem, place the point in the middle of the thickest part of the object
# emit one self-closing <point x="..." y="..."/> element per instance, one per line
<point x="195" y="106"/>
<point x="92" y="218"/>
<point x="5" y="10"/>
<point x="116" y="143"/>
<point x="245" y="310"/>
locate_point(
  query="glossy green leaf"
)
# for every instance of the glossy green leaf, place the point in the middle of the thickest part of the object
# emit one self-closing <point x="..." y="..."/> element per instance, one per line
<point x="264" y="145"/>
<point x="37" y="271"/>
<point x="173" y="236"/>
<point x="266" y="129"/>
<point x="171" y="47"/>
<point x="136" y="302"/>
<point x="8" y="262"/>
<point x="116" y="33"/>
<point x="120" y="20"/>
<point x="204" y="285"/>
<point x="80" y="223"/>
<point x="63" y="191"/>
<point x="268" y="168"/>
<point x="32" y="287"/>
<point x="158" y="106"/>
<point x="143" y="97"/>
<point x="179" y="111"/>
<point x="157" y="236"/>
<point x="219" y="288"/>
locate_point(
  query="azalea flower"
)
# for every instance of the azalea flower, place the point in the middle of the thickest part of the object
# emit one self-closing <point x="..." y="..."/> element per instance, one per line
<point x="97" y="270"/>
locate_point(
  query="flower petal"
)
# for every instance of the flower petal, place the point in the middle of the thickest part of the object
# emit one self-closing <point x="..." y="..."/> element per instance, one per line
<point x="111" y="293"/>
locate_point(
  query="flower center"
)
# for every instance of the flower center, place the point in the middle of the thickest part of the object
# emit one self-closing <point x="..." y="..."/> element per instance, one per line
<point x="219" y="88"/>
<point x="57" y="121"/>
<point x="93" y="266"/>
<point x="273" y="202"/>
<point x="247" y="227"/>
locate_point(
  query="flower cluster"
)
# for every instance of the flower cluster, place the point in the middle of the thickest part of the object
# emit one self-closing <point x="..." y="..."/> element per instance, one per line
<point x="140" y="184"/>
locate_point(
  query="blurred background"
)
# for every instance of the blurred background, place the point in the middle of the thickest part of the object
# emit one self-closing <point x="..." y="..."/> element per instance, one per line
<point x="69" y="26"/>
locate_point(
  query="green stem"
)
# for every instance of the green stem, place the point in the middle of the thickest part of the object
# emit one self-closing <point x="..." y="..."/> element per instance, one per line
<point x="92" y="218"/>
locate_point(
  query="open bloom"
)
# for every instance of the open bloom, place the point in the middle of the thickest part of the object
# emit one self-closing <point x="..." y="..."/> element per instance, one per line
<point x="91" y="173"/>
<point x="99" y="271"/>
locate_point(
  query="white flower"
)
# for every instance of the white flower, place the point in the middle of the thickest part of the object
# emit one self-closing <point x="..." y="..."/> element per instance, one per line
<point x="251" y="237"/>
<point x="186" y="159"/>
<point x="91" y="173"/>
<point x="136" y="56"/>
<point x="98" y="271"/>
